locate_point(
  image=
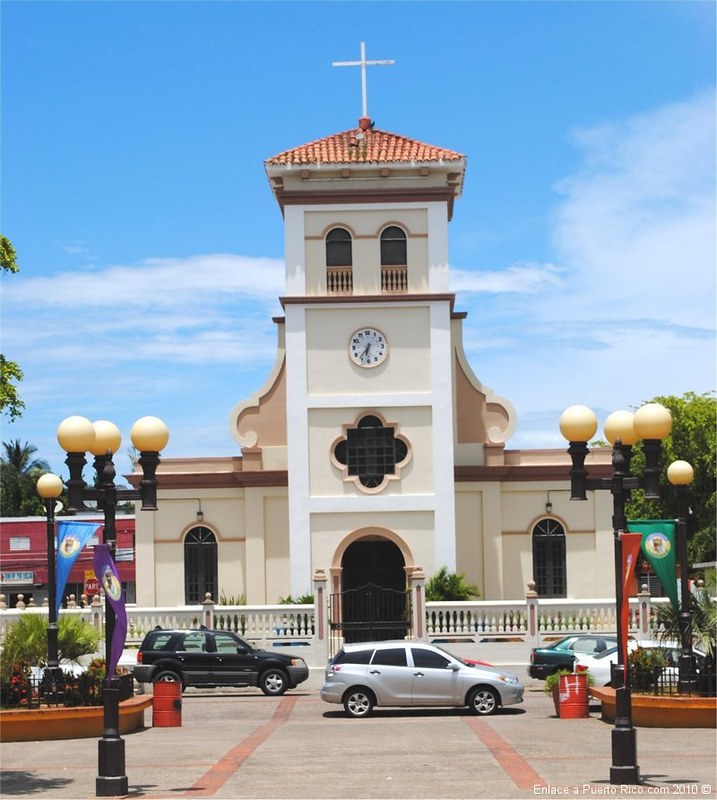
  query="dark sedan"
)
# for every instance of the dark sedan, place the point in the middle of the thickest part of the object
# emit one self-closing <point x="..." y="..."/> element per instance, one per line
<point x="559" y="655"/>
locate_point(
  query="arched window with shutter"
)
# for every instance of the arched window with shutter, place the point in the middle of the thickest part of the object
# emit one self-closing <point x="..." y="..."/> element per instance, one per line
<point x="549" y="559"/>
<point x="394" y="260"/>
<point x="200" y="565"/>
<point x="339" y="262"/>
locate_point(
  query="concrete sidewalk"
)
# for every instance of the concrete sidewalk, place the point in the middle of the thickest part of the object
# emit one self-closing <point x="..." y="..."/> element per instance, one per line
<point x="240" y="744"/>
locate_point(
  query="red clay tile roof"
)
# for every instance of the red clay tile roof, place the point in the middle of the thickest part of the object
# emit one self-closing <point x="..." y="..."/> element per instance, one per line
<point x="366" y="147"/>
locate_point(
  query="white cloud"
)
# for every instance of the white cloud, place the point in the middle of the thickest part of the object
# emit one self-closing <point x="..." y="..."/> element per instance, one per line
<point x="520" y="278"/>
<point x="156" y="283"/>
<point x="213" y="308"/>
<point x="636" y="228"/>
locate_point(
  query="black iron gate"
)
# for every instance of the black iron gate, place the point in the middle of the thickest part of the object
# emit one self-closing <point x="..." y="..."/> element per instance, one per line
<point x="368" y="613"/>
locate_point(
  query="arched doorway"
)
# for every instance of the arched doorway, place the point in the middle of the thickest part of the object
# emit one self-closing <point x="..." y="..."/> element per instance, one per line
<point x="374" y="603"/>
<point x="373" y="560"/>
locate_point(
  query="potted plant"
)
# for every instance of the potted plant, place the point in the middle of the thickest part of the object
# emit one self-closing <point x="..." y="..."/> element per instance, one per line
<point x="570" y="692"/>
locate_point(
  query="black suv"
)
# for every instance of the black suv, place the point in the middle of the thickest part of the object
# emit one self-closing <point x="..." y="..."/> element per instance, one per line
<point x="200" y="657"/>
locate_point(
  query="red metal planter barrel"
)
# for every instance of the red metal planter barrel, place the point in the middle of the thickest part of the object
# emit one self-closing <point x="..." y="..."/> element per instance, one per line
<point x="167" y="705"/>
<point x="573" y="696"/>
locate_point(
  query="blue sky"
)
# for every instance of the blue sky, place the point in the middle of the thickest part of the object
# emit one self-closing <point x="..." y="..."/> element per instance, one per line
<point x="150" y="246"/>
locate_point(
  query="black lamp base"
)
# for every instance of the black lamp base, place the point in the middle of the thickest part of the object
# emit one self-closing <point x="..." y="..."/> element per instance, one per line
<point x="624" y="770"/>
<point x="111" y="782"/>
<point x="111" y="787"/>
<point x="625" y="776"/>
<point x="111" y="779"/>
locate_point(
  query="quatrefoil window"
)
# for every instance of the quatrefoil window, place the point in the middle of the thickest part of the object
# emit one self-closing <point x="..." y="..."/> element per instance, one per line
<point x="371" y="453"/>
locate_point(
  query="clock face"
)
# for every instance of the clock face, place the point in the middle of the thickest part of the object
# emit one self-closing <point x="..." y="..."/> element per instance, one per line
<point x="368" y="347"/>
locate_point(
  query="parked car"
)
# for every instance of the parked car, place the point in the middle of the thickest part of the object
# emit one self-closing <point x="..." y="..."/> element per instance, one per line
<point x="400" y="673"/>
<point x="202" y="657"/>
<point x="559" y="655"/>
<point x="599" y="666"/>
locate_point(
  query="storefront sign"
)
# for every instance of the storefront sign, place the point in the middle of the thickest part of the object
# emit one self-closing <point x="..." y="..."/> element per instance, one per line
<point x="16" y="578"/>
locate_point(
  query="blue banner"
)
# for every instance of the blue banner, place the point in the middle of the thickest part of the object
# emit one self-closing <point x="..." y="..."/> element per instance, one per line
<point x="109" y="579"/>
<point x="72" y="536"/>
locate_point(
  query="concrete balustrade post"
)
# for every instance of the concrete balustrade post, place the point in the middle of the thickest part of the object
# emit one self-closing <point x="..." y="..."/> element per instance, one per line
<point x="208" y="611"/>
<point x="417" y="582"/>
<point x="532" y="631"/>
<point x="644" y="610"/>
<point x="321" y="610"/>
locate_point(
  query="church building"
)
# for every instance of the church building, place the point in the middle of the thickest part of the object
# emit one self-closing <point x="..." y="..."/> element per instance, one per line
<point x="373" y="449"/>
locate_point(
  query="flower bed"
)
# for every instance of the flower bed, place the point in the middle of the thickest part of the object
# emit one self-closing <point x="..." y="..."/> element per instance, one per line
<point x="668" y="711"/>
<point x="38" y="724"/>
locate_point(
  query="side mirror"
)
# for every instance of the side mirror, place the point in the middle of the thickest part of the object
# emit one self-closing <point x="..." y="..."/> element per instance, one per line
<point x="241" y="650"/>
<point x="453" y="667"/>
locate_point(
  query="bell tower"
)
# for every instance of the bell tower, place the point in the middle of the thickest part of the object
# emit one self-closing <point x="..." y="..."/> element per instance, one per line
<point x="368" y="342"/>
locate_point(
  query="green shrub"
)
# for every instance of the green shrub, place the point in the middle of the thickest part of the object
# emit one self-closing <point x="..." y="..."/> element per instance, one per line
<point x="446" y="585"/>
<point x="305" y="599"/>
<point x="26" y="641"/>
<point x="552" y="680"/>
<point x="644" y="668"/>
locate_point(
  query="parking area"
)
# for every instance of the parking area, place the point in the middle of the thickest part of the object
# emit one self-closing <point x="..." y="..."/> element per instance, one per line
<point x="241" y="744"/>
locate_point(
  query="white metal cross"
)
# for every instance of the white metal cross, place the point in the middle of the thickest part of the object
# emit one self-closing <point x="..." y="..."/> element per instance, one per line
<point x="363" y="64"/>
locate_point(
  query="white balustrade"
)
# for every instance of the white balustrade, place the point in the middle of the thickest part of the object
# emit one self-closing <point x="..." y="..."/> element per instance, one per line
<point x="274" y="625"/>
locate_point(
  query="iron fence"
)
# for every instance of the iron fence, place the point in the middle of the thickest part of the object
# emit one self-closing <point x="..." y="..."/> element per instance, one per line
<point x="33" y="690"/>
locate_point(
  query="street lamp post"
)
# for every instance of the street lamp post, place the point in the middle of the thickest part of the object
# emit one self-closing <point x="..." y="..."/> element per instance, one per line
<point x="680" y="474"/>
<point x="49" y="487"/>
<point x="651" y="422"/>
<point x="76" y="436"/>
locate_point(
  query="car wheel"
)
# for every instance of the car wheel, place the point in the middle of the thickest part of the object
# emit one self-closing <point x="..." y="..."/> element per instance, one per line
<point x="359" y="702"/>
<point x="483" y="701"/>
<point x="273" y="682"/>
<point x="165" y="676"/>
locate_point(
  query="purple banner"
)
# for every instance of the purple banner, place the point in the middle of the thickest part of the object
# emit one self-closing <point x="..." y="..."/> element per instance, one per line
<point x="109" y="579"/>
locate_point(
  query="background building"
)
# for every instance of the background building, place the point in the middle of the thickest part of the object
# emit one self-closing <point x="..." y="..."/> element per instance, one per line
<point x="23" y="560"/>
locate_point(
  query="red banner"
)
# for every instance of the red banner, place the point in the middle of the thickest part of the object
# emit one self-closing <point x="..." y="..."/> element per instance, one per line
<point x="630" y="551"/>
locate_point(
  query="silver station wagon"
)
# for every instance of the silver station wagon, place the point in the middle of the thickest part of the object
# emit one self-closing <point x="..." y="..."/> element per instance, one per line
<point x="404" y="673"/>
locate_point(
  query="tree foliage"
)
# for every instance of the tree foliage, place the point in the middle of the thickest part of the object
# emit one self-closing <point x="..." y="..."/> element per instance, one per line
<point x="446" y="585"/>
<point x="10" y="373"/>
<point x="8" y="259"/>
<point x="693" y="439"/>
<point x="19" y="471"/>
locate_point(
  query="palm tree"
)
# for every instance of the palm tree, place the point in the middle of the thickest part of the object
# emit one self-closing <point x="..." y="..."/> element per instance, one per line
<point x="19" y="470"/>
<point x="446" y="585"/>
<point x="703" y="616"/>
<point x="20" y="456"/>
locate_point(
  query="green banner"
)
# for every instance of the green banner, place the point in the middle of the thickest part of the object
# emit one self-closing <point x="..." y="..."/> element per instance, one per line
<point x="660" y="546"/>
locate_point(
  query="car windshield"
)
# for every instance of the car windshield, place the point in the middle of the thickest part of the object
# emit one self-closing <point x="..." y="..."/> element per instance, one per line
<point x="451" y="656"/>
<point x="244" y="643"/>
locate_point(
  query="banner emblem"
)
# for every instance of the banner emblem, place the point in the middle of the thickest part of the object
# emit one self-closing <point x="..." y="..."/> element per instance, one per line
<point x="111" y="585"/>
<point x="69" y="546"/>
<point x="657" y="545"/>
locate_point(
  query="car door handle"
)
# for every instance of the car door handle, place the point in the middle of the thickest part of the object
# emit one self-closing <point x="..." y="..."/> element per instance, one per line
<point x="418" y="675"/>
<point x="375" y="672"/>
